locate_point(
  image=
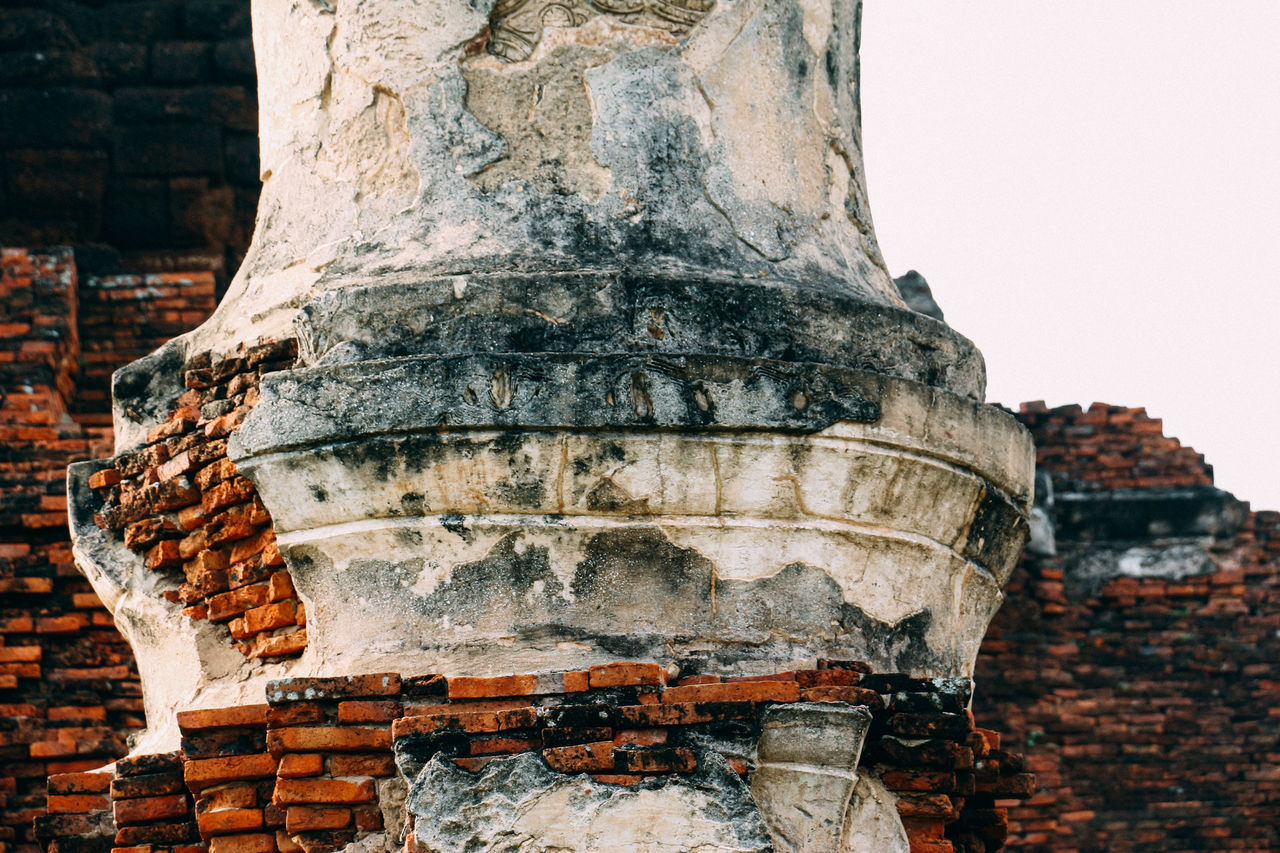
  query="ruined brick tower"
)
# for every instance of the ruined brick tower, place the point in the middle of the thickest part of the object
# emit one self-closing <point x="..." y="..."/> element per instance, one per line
<point x="562" y="470"/>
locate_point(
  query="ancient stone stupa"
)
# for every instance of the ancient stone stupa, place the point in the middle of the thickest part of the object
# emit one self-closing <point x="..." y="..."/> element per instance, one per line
<point x="563" y="470"/>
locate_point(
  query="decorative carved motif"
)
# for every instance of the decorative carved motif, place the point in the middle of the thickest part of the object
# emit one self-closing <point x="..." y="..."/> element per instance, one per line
<point x="517" y="25"/>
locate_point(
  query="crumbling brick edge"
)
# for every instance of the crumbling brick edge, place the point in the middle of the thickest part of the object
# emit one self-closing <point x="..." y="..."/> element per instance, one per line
<point x="302" y="771"/>
<point x="179" y="501"/>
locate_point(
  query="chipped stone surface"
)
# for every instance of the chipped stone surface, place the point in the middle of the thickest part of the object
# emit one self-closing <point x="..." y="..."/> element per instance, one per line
<point x="694" y="138"/>
<point x="519" y="804"/>
<point x="808" y="753"/>
<point x="872" y="824"/>
<point x="579" y="542"/>
<point x="1090" y="569"/>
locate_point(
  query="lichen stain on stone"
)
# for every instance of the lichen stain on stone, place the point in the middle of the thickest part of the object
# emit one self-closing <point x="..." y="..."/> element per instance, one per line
<point x="635" y="591"/>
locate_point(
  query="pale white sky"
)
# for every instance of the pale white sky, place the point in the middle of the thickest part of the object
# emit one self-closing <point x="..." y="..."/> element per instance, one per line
<point x="1092" y="190"/>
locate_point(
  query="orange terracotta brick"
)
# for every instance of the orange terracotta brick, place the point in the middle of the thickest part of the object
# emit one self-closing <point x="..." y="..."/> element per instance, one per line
<point x="70" y="624"/>
<point x="742" y="691"/>
<point x="848" y="695"/>
<point x="279" y="645"/>
<point x="294" y="714"/>
<point x="239" y="716"/>
<point x="627" y="674"/>
<point x="72" y="803"/>
<point x="255" y="843"/>
<point x="164" y="555"/>
<point x="103" y="479"/>
<point x="281" y="587"/>
<point x="828" y="678"/>
<point x="252" y="547"/>
<point x="368" y="711"/>
<point x="228" y="605"/>
<point x="576" y="682"/>
<point x="382" y="764"/>
<point x="298" y="765"/>
<point x="201" y="773"/>
<point x="476" y="722"/>
<point x="289" y="792"/>
<point x="328" y="739"/>
<point x="229" y="821"/>
<point x="580" y="758"/>
<point x="191" y="517"/>
<point x="79" y="783"/>
<point x="234" y="795"/>
<point x="304" y="818"/>
<point x="471" y="687"/>
<point x="12" y="654"/>
<point x="150" y="809"/>
<point x="269" y="617"/>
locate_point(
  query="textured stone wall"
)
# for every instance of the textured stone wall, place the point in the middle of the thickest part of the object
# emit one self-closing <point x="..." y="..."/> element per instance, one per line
<point x="1136" y="666"/>
<point x="69" y="691"/>
<point x="131" y="125"/>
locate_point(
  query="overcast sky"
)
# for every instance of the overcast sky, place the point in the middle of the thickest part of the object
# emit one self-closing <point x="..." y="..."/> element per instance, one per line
<point x="1092" y="190"/>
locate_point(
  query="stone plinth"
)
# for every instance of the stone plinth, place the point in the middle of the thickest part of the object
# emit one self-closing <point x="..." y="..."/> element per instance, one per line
<point x="596" y="361"/>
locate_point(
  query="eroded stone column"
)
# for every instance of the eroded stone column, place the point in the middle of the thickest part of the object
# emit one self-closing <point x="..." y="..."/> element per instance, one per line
<point x="597" y="360"/>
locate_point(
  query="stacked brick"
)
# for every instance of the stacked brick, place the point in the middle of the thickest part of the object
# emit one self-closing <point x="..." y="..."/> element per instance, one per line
<point x="151" y="806"/>
<point x="305" y="771"/>
<point x="131" y="123"/>
<point x="333" y="736"/>
<point x="230" y="773"/>
<point x="78" y="818"/>
<point x="69" y="692"/>
<point x="124" y="317"/>
<point x="1110" y="447"/>
<point x="180" y="503"/>
<point x="1147" y="708"/>
<point x="39" y="341"/>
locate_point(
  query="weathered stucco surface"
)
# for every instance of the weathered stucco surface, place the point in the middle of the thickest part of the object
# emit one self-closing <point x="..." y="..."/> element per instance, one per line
<point x="598" y="361"/>
<point x="403" y="138"/>
<point x="559" y="545"/>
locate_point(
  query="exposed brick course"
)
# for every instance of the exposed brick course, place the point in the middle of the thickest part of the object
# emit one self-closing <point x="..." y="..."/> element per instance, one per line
<point x="316" y="788"/>
<point x="179" y="502"/>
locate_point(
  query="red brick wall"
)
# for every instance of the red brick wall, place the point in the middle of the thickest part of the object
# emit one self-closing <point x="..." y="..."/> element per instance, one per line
<point x="69" y="692"/>
<point x="300" y="773"/>
<point x="1110" y="447"/>
<point x="130" y="124"/>
<point x="1148" y="709"/>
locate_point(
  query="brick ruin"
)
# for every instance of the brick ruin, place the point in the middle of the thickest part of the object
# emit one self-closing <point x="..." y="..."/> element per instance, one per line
<point x="1139" y="732"/>
<point x="1134" y="661"/>
<point x="71" y="695"/>
<point x="1131" y="662"/>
